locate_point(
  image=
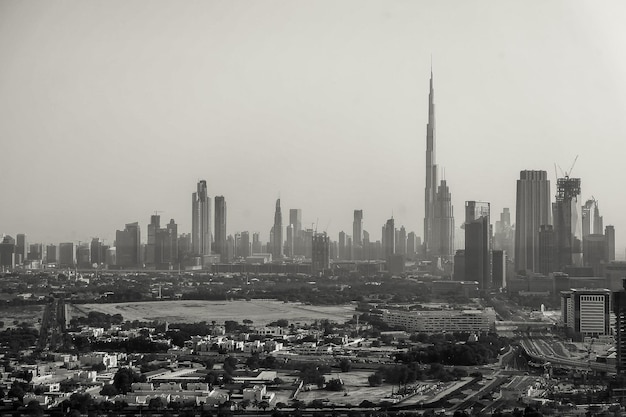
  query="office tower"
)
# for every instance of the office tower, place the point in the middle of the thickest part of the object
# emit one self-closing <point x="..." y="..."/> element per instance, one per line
<point x="320" y="253"/>
<point x="295" y="219"/>
<point x="478" y="243"/>
<point x="592" y="221"/>
<point x="230" y="247"/>
<point x="110" y="258"/>
<point x="547" y="250"/>
<point x="153" y="229"/>
<point x="200" y="221"/>
<point x="586" y="312"/>
<point x="256" y="243"/>
<point x="289" y="244"/>
<point x="498" y="274"/>
<point x="277" y="249"/>
<point x="172" y="243"/>
<point x="594" y="252"/>
<point x="568" y="223"/>
<point x="609" y="234"/>
<point x="401" y="241"/>
<point x="35" y="252"/>
<point x="128" y="246"/>
<point x="166" y="246"/>
<point x="83" y="255"/>
<point x="67" y="255"/>
<point x="7" y="252"/>
<point x="411" y="244"/>
<point x="389" y="238"/>
<point x="307" y="238"/>
<point x="244" y="243"/>
<point x="97" y="252"/>
<point x="349" y="248"/>
<point x="51" y="254"/>
<point x="443" y="223"/>
<point x="459" y="265"/>
<point x="504" y="235"/>
<point x="342" y="246"/>
<point x="532" y="211"/>
<point x="431" y="171"/>
<point x="185" y="247"/>
<point x="21" y="249"/>
<point x="619" y="309"/>
<point x="220" y="226"/>
<point x="357" y="228"/>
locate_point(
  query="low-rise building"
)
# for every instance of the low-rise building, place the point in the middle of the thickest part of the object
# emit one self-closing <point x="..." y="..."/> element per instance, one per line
<point x="437" y="321"/>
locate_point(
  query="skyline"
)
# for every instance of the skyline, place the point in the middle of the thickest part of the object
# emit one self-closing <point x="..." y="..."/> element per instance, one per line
<point x="96" y="143"/>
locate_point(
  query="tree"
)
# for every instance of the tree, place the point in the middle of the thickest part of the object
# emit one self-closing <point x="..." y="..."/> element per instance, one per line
<point x="345" y="365"/>
<point x="34" y="409"/>
<point x="264" y="405"/>
<point x="334" y="384"/>
<point x="124" y="378"/>
<point x="157" y="403"/>
<point x="245" y="404"/>
<point x="375" y="380"/>
<point x="109" y="390"/>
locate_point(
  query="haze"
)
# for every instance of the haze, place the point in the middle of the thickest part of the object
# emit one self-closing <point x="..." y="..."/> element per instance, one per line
<point x="112" y="110"/>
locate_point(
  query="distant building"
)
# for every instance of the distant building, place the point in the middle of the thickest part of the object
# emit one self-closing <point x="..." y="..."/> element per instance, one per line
<point x="498" y="263"/>
<point x="67" y="255"/>
<point x="532" y="212"/>
<point x="83" y="255"/>
<point x="35" y="252"/>
<point x="547" y="250"/>
<point x="389" y="238"/>
<point x="594" y="251"/>
<point x="220" y="227"/>
<point x="21" y="248"/>
<point x="478" y="243"/>
<point x="467" y="289"/>
<point x="7" y="252"/>
<point x="201" y="235"/>
<point x="295" y="219"/>
<point x="443" y="223"/>
<point x="153" y="230"/>
<point x="277" y="248"/>
<point x="591" y="221"/>
<point x="127" y="245"/>
<point x="609" y="233"/>
<point x="357" y="228"/>
<point x="619" y="309"/>
<point x="401" y="241"/>
<point x="51" y="254"/>
<point x="320" y="259"/>
<point x="568" y="223"/>
<point x="587" y="312"/>
<point x="504" y="235"/>
<point x="459" y="265"/>
<point x="438" y="321"/>
<point x="97" y="251"/>
<point x="245" y="245"/>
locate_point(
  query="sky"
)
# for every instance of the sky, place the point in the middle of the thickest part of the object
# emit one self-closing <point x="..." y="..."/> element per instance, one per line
<point x="110" y="111"/>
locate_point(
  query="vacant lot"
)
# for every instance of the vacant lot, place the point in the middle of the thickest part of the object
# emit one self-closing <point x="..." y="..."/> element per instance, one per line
<point x="31" y="314"/>
<point x="356" y="389"/>
<point x="190" y="311"/>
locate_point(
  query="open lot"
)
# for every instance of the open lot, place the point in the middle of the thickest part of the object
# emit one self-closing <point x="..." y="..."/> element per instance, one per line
<point x="189" y="311"/>
<point x="356" y="389"/>
<point x="31" y="314"/>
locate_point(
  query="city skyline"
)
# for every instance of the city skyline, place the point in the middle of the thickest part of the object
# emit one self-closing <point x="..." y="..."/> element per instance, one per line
<point x="80" y="133"/>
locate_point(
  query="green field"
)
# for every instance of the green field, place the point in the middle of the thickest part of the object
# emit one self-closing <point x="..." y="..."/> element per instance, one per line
<point x="189" y="311"/>
<point x="31" y="314"/>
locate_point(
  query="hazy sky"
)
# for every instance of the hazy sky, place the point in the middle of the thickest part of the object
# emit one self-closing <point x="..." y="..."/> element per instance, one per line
<point x="111" y="110"/>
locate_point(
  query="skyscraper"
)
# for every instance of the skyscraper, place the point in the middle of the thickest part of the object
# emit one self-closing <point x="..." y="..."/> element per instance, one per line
<point x="443" y="223"/>
<point x="97" y="254"/>
<point x="153" y="229"/>
<point x="401" y="241"/>
<point x="128" y="246"/>
<point x="289" y="244"/>
<point x="277" y="250"/>
<point x="504" y="235"/>
<point x="7" y="252"/>
<point x="51" y="254"/>
<point x="357" y="228"/>
<point x="547" y="250"/>
<point x="431" y="171"/>
<point x="220" y="227"/>
<point x="320" y="256"/>
<point x="21" y="248"/>
<point x="568" y="223"/>
<point x="342" y="246"/>
<point x="532" y="211"/>
<point x="592" y="221"/>
<point x="609" y="234"/>
<point x="200" y="221"/>
<point x="478" y="243"/>
<point x="389" y="238"/>
<point x="67" y="255"/>
<point x="244" y="245"/>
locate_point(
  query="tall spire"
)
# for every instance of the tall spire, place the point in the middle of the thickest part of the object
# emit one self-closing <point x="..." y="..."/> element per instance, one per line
<point x="431" y="169"/>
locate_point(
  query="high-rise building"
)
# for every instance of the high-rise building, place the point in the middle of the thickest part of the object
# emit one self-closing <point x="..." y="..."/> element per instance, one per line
<point x="342" y="246"/>
<point x="83" y="255"/>
<point x="277" y="250"/>
<point x="97" y="251"/>
<point x="256" y="243"/>
<point x="21" y="248"/>
<point x="153" y="229"/>
<point x="547" y="250"/>
<point x="594" y="252"/>
<point x="478" y="243"/>
<point x="592" y="221"/>
<point x="200" y="221"/>
<point x="619" y="309"/>
<point x="320" y="256"/>
<point x="357" y="228"/>
<point x="401" y="241"/>
<point x="220" y="226"/>
<point x="586" y="312"/>
<point x="51" y="254"/>
<point x="166" y="253"/>
<point x="431" y="171"/>
<point x="498" y="262"/>
<point x="459" y="265"/>
<point x="504" y="235"/>
<point x="128" y="246"/>
<point x="67" y="255"/>
<point x="568" y="223"/>
<point x="289" y="244"/>
<point x="411" y="245"/>
<point x="609" y="234"/>
<point x="185" y="247"/>
<point x="443" y="223"/>
<point x="35" y="252"/>
<point x="7" y="252"/>
<point x="244" y="245"/>
<point x="532" y="211"/>
<point x="389" y="238"/>
<point x="295" y="219"/>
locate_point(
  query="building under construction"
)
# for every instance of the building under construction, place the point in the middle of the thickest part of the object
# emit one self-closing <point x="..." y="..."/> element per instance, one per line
<point x="568" y="223"/>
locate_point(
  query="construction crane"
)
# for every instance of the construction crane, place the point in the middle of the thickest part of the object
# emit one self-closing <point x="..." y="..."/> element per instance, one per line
<point x="567" y="173"/>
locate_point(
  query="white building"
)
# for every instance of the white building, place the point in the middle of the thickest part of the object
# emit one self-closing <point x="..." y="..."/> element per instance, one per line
<point x="437" y="321"/>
